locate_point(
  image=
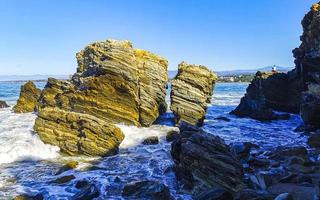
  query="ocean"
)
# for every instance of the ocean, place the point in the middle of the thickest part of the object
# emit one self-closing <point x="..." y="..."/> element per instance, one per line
<point x="27" y="165"/>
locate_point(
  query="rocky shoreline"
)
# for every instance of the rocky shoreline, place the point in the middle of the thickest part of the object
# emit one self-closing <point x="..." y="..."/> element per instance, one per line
<point x="118" y="84"/>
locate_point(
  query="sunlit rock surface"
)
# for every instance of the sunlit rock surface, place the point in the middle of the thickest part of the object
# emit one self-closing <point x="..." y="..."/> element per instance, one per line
<point x="28" y="99"/>
<point x="191" y="91"/>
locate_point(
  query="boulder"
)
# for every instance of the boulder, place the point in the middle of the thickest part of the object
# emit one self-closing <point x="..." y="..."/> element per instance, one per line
<point x="172" y="135"/>
<point x="29" y="197"/>
<point x="314" y="140"/>
<point x="3" y="104"/>
<point x="215" y="194"/>
<point x="87" y="192"/>
<point x="77" y="133"/>
<point x="152" y="140"/>
<point x="29" y="95"/>
<point x="64" y="179"/>
<point x="191" y="91"/>
<point x="296" y="191"/>
<point x="268" y="91"/>
<point x="147" y="190"/>
<point x="202" y="159"/>
<point x="68" y="166"/>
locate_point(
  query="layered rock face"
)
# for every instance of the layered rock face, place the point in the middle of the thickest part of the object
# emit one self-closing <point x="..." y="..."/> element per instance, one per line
<point x="77" y="133"/>
<point x="28" y="99"/>
<point x="268" y="91"/>
<point x="308" y="65"/>
<point x="191" y="91"/>
<point x="114" y="83"/>
<point x="204" y="161"/>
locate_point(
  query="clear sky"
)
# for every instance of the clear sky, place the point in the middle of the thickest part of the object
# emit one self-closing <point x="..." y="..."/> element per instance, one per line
<point x="42" y="37"/>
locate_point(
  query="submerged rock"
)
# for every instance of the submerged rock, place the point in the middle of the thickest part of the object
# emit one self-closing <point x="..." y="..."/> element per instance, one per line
<point x="28" y="98"/>
<point x="191" y="91"/>
<point x="3" y="104"/>
<point x="77" y="133"/>
<point x="202" y="159"/>
<point x="87" y="192"/>
<point x="146" y="190"/>
<point x="64" y="179"/>
<point x="69" y="166"/>
<point x="152" y="140"/>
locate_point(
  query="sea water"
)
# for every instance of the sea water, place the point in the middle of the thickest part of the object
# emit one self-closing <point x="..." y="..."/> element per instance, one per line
<point x="27" y="165"/>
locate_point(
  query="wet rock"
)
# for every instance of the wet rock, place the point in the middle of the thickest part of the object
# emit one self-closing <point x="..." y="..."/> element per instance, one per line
<point x="29" y="197"/>
<point x="87" y="193"/>
<point x="204" y="159"/>
<point x="191" y="91"/>
<point x="172" y="135"/>
<point x="64" y="179"/>
<point x="76" y="133"/>
<point x="29" y="95"/>
<point x="266" y="92"/>
<point x="147" y="190"/>
<point x="221" y="118"/>
<point x="258" y="162"/>
<point x="81" y="184"/>
<point x="70" y="165"/>
<point x="215" y="194"/>
<point x="250" y="194"/>
<point x="3" y="104"/>
<point x="297" y="191"/>
<point x="284" y="152"/>
<point x="152" y="140"/>
<point x="284" y="196"/>
<point x="314" y="140"/>
<point x="242" y="149"/>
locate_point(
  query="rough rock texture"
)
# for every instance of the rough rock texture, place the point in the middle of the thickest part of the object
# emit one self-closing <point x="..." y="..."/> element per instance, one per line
<point x="77" y="133"/>
<point x="308" y="65"/>
<point x="191" y="91"/>
<point x="3" y="104"/>
<point x="115" y="82"/>
<point x="28" y="99"/>
<point x="267" y="91"/>
<point x="204" y="161"/>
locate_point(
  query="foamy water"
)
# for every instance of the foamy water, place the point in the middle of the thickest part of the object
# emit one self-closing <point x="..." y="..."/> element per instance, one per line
<point x="28" y="166"/>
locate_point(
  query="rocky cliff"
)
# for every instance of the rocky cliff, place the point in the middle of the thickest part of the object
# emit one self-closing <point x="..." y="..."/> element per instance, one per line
<point x="191" y="91"/>
<point x="29" y="95"/>
<point x="114" y="83"/>
<point x="307" y="60"/>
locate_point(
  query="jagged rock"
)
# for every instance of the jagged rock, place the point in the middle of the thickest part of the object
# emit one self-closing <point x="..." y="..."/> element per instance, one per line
<point x="28" y="99"/>
<point x="70" y="165"/>
<point x="191" y="91"/>
<point x="203" y="161"/>
<point x="87" y="192"/>
<point x="64" y="179"/>
<point x="267" y="91"/>
<point x="3" y="104"/>
<point x="147" y="190"/>
<point x="77" y="133"/>
<point x="152" y="140"/>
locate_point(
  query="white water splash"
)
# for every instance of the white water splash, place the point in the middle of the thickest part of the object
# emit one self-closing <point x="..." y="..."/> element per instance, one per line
<point x="18" y="142"/>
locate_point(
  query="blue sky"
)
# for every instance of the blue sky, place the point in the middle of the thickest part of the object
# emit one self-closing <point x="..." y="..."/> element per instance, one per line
<point x="42" y="37"/>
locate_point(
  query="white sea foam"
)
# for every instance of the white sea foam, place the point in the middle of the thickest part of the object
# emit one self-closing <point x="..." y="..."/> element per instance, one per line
<point x="18" y="142"/>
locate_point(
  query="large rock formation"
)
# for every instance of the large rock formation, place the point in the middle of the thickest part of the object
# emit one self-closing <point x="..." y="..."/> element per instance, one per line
<point x="28" y="99"/>
<point x="77" y="133"/>
<point x="191" y="91"/>
<point x="114" y="83"/>
<point x="267" y="91"/>
<point x="204" y="161"/>
<point x="308" y="65"/>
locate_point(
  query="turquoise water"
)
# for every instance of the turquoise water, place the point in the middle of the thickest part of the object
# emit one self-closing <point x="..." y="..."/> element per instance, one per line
<point x="28" y="166"/>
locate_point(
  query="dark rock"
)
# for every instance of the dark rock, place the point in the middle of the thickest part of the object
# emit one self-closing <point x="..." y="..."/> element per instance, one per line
<point x="70" y="165"/>
<point x="207" y="159"/>
<point x="64" y="179"/>
<point x="87" y="193"/>
<point x="297" y="191"/>
<point x="3" y="104"/>
<point x="249" y="194"/>
<point x="147" y="190"/>
<point x="215" y="194"/>
<point x="221" y="118"/>
<point x="172" y="135"/>
<point x="152" y="140"/>
<point x="29" y="197"/>
<point x="314" y="140"/>
<point x="242" y="149"/>
<point x="282" y="152"/>
<point x="81" y="184"/>
<point x="284" y="196"/>
<point x="258" y="162"/>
